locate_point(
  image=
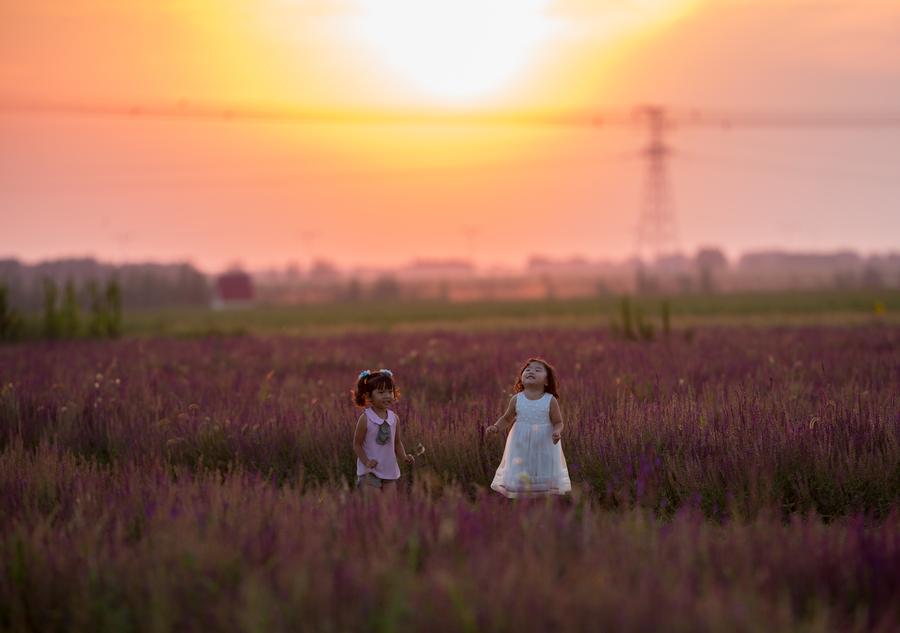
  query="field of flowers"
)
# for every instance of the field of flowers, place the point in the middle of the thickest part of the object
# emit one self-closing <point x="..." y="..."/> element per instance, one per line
<point x="740" y="479"/>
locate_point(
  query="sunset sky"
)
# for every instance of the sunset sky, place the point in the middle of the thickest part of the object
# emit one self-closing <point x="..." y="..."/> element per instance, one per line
<point x="268" y="193"/>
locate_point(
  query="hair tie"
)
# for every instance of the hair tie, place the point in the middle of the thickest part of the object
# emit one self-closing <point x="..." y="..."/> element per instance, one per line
<point x="386" y="371"/>
<point x="365" y="373"/>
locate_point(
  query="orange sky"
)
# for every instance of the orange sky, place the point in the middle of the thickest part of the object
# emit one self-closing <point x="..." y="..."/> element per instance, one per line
<point x="269" y="193"/>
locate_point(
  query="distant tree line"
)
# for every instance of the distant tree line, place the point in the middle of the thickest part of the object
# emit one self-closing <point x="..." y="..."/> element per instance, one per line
<point x="141" y="286"/>
<point x="94" y="312"/>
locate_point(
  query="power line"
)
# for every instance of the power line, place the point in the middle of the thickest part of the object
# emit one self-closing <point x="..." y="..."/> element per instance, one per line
<point x="673" y="117"/>
<point x="185" y="110"/>
<point x="743" y="162"/>
<point x="185" y="178"/>
<point x="656" y="229"/>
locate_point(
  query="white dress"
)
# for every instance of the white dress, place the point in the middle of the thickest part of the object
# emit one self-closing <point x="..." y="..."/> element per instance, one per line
<point x="532" y="465"/>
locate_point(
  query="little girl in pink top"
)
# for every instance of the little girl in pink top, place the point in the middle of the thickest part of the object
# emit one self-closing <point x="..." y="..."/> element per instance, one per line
<point x="377" y="433"/>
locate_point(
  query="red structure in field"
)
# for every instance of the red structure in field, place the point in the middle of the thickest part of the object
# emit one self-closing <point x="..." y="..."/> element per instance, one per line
<point x="234" y="288"/>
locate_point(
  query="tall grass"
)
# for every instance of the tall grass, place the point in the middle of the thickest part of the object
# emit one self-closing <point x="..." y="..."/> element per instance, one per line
<point x="736" y="421"/>
<point x="746" y="480"/>
<point x="130" y="547"/>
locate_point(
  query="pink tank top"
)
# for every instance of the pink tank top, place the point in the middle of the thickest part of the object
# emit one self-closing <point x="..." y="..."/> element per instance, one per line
<point x="384" y="454"/>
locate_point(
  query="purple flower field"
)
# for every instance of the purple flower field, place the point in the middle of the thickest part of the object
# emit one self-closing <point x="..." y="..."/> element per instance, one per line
<point x="747" y="479"/>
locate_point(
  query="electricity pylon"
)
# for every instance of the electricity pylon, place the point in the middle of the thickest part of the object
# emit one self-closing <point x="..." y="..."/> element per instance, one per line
<point x="656" y="231"/>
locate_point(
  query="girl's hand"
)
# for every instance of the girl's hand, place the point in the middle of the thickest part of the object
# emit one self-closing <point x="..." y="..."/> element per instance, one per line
<point x="410" y="459"/>
<point x="556" y="436"/>
<point x="371" y="463"/>
<point x="491" y="429"/>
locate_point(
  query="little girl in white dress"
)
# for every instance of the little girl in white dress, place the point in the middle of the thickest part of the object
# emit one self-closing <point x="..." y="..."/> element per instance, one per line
<point x="533" y="463"/>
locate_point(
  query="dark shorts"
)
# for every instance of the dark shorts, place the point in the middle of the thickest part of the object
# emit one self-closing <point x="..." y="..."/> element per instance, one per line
<point x="371" y="479"/>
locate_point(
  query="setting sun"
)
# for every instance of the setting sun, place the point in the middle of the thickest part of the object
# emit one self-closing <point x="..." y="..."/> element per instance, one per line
<point x="456" y="50"/>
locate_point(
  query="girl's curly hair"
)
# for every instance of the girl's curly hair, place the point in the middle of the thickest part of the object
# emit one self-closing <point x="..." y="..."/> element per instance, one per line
<point x="369" y="381"/>
<point x="552" y="383"/>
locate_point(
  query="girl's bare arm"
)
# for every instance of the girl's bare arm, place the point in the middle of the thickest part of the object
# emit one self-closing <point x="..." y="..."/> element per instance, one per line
<point x="359" y="437"/>
<point x="508" y="417"/>
<point x="403" y="454"/>
<point x="556" y="419"/>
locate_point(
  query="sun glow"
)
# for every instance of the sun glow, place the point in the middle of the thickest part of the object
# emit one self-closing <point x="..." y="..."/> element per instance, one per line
<point x="456" y="50"/>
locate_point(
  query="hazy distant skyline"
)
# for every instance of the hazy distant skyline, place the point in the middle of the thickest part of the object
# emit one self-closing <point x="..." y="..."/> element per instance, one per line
<point x="266" y="194"/>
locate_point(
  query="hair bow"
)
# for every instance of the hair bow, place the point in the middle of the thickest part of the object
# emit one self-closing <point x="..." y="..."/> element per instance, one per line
<point x="365" y="373"/>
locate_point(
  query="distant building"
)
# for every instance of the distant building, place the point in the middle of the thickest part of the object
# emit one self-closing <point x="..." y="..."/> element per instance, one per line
<point x="572" y="267"/>
<point x="436" y="269"/>
<point x="323" y="272"/>
<point x="233" y="289"/>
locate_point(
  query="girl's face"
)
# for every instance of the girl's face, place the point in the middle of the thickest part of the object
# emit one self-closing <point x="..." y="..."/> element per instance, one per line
<point x="534" y="375"/>
<point x="382" y="397"/>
